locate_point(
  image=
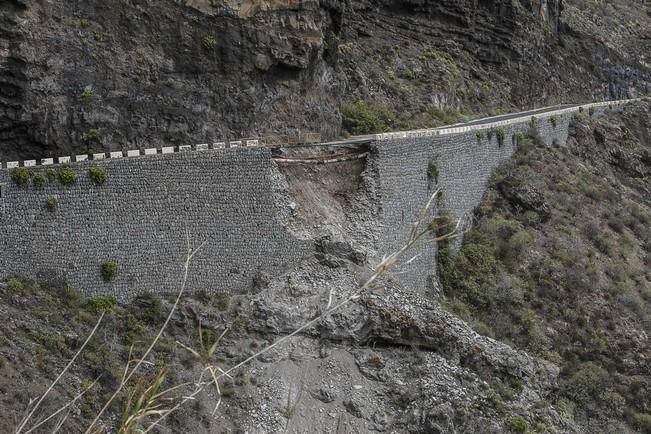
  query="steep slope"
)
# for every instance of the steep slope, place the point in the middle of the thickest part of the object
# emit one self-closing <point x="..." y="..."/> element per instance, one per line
<point x="113" y="75"/>
<point x="557" y="268"/>
<point x="559" y="264"/>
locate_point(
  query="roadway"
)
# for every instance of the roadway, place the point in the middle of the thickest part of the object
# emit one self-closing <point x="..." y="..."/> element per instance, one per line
<point x="364" y="139"/>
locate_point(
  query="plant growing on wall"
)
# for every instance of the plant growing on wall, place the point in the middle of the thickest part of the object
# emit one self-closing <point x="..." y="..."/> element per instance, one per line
<point x="21" y="175"/>
<point x="66" y="175"/>
<point x="87" y="96"/>
<point x="51" y="174"/>
<point x="209" y="42"/>
<point x="480" y="136"/>
<point x="500" y="134"/>
<point x="554" y="120"/>
<point x="39" y="180"/>
<point x="98" y="175"/>
<point x="51" y="203"/>
<point x="109" y="270"/>
<point x="519" y="139"/>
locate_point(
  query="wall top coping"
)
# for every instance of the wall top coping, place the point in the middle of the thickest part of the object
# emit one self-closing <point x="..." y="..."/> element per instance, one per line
<point x="449" y="130"/>
<point x="441" y="131"/>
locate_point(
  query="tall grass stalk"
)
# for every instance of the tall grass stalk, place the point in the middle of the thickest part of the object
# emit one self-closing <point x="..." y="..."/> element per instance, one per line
<point x="418" y="231"/>
<point x="61" y="374"/>
<point x="127" y="377"/>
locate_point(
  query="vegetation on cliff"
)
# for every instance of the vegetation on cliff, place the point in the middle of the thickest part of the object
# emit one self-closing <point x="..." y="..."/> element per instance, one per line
<point x="559" y="263"/>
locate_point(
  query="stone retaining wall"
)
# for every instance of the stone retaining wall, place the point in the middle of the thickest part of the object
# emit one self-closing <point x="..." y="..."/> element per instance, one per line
<point x="231" y="199"/>
<point x="235" y="200"/>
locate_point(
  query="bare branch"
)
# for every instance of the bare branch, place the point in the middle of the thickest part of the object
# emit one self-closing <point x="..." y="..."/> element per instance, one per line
<point x="38" y="403"/>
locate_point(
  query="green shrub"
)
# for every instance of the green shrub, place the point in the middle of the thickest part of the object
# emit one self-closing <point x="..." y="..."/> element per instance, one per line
<point x="209" y="42"/>
<point x="109" y="269"/>
<point x="519" y="424"/>
<point x="362" y="117"/>
<point x="93" y="135"/>
<point x="643" y="422"/>
<point x="541" y="427"/>
<point x="480" y="136"/>
<point x="444" y="116"/>
<point x="591" y="110"/>
<point x="532" y="122"/>
<point x="169" y="82"/>
<point x="500" y="134"/>
<point x="21" y="175"/>
<point x="490" y="135"/>
<point x="51" y="174"/>
<point x="51" y="203"/>
<point x="529" y="218"/>
<point x="39" y="180"/>
<point x="15" y="285"/>
<point x="554" y="120"/>
<point x="519" y="139"/>
<point x="102" y="304"/>
<point x="519" y="241"/>
<point x="467" y="273"/>
<point x="581" y="116"/>
<point x="587" y="383"/>
<point x="71" y="297"/>
<point x="98" y="175"/>
<point x="66" y="175"/>
<point x="87" y="96"/>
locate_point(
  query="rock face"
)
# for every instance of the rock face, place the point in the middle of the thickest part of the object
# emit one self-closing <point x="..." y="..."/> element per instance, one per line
<point x="148" y="73"/>
<point x="99" y="76"/>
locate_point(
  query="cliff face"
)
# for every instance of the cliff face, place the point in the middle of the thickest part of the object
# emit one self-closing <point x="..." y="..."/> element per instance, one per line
<point x="147" y="73"/>
<point x="113" y="75"/>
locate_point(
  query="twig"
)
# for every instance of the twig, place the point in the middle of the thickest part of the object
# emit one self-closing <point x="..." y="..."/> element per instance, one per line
<point x="75" y="399"/>
<point x="38" y="403"/>
<point x="126" y="379"/>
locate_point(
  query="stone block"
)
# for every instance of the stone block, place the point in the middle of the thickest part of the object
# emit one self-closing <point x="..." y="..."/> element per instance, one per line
<point x="235" y="144"/>
<point x="29" y="163"/>
<point x="99" y="156"/>
<point x="185" y="148"/>
<point x="116" y="154"/>
<point x="167" y="150"/>
<point x="47" y="161"/>
<point x="151" y="151"/>
<point x="12" y="164"/>
<point x="63" y="160"/>
<point x="201" y="147"/>
<point x="218" y="145"/>
<point x="83" y="157"/>
<point x="133" y="153"/>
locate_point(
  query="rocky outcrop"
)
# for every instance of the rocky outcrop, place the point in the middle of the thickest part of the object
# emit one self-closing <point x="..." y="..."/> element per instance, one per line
<point x="91" y="76"/>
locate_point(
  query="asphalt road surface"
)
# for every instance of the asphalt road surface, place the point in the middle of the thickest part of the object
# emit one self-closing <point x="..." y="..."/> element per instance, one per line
<point x="528" y="113"/>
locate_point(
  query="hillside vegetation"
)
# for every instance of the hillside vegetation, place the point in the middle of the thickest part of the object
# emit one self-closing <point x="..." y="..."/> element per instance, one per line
<point x="559" y="264"/>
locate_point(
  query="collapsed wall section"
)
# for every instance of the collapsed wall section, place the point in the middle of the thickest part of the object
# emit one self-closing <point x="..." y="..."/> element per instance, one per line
<point x="460" y="165"/>
<point x="139" y="218"/>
